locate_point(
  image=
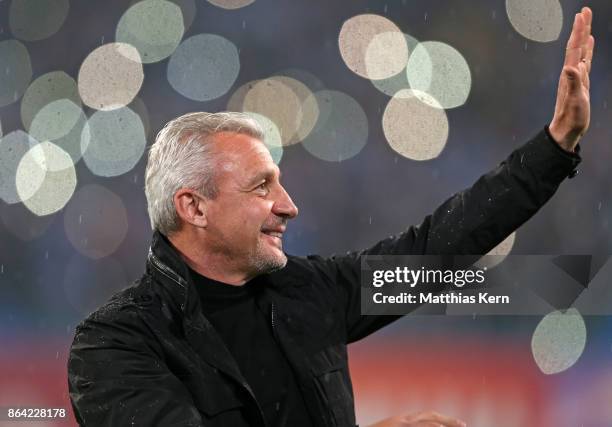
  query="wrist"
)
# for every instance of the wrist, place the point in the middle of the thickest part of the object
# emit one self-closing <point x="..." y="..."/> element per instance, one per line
<point x="567" y="139"/>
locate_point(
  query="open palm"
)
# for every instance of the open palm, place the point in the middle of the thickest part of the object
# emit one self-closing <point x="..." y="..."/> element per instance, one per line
<point x="572" y="109"/>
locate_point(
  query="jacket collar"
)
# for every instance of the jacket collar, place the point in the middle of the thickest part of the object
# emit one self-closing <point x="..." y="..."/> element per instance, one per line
<point x="165" y="262"/>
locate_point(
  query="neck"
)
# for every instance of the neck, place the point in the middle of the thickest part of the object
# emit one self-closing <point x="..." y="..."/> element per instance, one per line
<point x="216" y="266"/>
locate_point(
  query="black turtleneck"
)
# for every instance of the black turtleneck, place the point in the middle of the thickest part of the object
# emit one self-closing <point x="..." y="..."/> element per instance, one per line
<point x="247" y="332"/>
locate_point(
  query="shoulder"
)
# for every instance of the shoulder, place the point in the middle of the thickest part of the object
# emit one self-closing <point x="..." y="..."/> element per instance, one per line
<point x="119" y="319"/>
<point x="309" y="272"/>
<point x="307" y="268"/>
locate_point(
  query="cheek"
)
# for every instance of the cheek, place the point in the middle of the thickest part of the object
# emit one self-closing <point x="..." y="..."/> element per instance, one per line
<point x="255" y="215"/>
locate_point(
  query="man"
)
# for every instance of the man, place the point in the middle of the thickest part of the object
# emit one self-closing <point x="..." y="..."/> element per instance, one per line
<point x="224" y="329"/>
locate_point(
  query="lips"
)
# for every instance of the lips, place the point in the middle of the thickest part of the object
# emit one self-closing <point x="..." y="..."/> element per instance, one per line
<point x="274" y="233"/>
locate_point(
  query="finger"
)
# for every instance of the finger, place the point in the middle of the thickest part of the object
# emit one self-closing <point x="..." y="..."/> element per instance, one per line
<point x="587" y="15"/>
<point x="587" y="18"/>
<point x="589" y="52"/>
<point x="573" y="52"/>
<point x="584" y="75"/>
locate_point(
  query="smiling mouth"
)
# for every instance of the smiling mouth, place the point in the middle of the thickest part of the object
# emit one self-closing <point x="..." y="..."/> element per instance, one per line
<point x="273" y="234"/>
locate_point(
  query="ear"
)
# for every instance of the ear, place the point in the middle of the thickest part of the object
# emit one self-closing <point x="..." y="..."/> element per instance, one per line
<point x="190" y="207"/>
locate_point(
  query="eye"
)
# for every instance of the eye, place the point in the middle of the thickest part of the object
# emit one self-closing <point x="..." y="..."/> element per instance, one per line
<point x="263" y="187"/>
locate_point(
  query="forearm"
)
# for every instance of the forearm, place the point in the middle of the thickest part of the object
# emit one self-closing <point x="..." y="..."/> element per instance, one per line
<point x="478" y="218"/>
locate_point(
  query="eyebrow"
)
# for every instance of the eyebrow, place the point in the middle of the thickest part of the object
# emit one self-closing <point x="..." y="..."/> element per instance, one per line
<point x="264" y="175"/>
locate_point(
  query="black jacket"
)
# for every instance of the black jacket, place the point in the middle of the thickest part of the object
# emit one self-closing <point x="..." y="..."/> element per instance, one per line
<point x="150" y="357"/>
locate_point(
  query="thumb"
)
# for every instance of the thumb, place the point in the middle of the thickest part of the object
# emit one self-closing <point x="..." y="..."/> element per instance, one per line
<point x="572" y="74"/>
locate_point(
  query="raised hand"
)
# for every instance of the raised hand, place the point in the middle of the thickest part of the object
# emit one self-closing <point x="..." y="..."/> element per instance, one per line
<point x="572" y="109"/>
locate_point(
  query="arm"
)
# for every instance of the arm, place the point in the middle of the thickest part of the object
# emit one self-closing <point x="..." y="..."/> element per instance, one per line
<point x="471" y="222"/>
<point x="116" y="377"/>
<point x="477" y="219"/>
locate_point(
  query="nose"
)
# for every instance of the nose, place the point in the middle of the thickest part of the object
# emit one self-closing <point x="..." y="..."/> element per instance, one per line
<point x="283" y="205"/>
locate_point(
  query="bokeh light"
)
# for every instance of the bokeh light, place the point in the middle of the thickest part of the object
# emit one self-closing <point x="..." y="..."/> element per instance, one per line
<point x="110" y="76"/>
<point x="204" y="67"/>
<point x="341" y="130"/>
<point x="236" y="100"/>
<point x="391" y="85"/>
<point x="441" y="71"/>
<point x="95" y="221"/>
<point x="62" y="123"/>
<point x="496" y="255"/>
<point x="44" y="90"/>
<point x="33" y="20"/>
<point x="277" y="101"/>
<point x="23" y="224"/>
<point x="558" y="341"/>
<point x="90" y="283"/>
<point x="415" y="125"/>
<point x="13" y="147"/>
<point x="45" y="178"/>
<point x="188" y="10"/>
<point x="309" y="112"/>
<point x="154" y="27"/>
<point x="372" y="46"/>
<point x="537" y="20"/>
<point x="385" y="54"/>
<point x="306" y="77"/>
<point x="139" y="107"/>
<point x="231" y="4"/>
<point x="272" y="136"/>
<point x="113" y="141"/>
<point x="17" y="73"/>
<point x="55" y="120"/>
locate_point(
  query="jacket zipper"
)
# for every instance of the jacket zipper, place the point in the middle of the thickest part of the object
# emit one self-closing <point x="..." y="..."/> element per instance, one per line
<point x="274" y="331"/>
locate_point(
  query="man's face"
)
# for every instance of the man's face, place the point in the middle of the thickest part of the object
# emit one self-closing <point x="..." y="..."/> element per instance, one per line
<point x="247" y="219"/>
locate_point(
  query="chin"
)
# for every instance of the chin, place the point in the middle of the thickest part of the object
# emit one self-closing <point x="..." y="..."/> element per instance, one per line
<point x="271" y="262"/>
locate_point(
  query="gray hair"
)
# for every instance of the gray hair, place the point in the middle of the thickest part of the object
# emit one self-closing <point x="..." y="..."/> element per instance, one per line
<point x="181" y="157"/>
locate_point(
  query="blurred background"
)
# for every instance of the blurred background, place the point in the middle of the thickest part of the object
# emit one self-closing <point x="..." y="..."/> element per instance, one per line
<point x="376" y="111"/>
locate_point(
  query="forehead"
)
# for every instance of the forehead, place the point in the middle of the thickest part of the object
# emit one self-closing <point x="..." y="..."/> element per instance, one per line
<point x="240" y="153"/>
